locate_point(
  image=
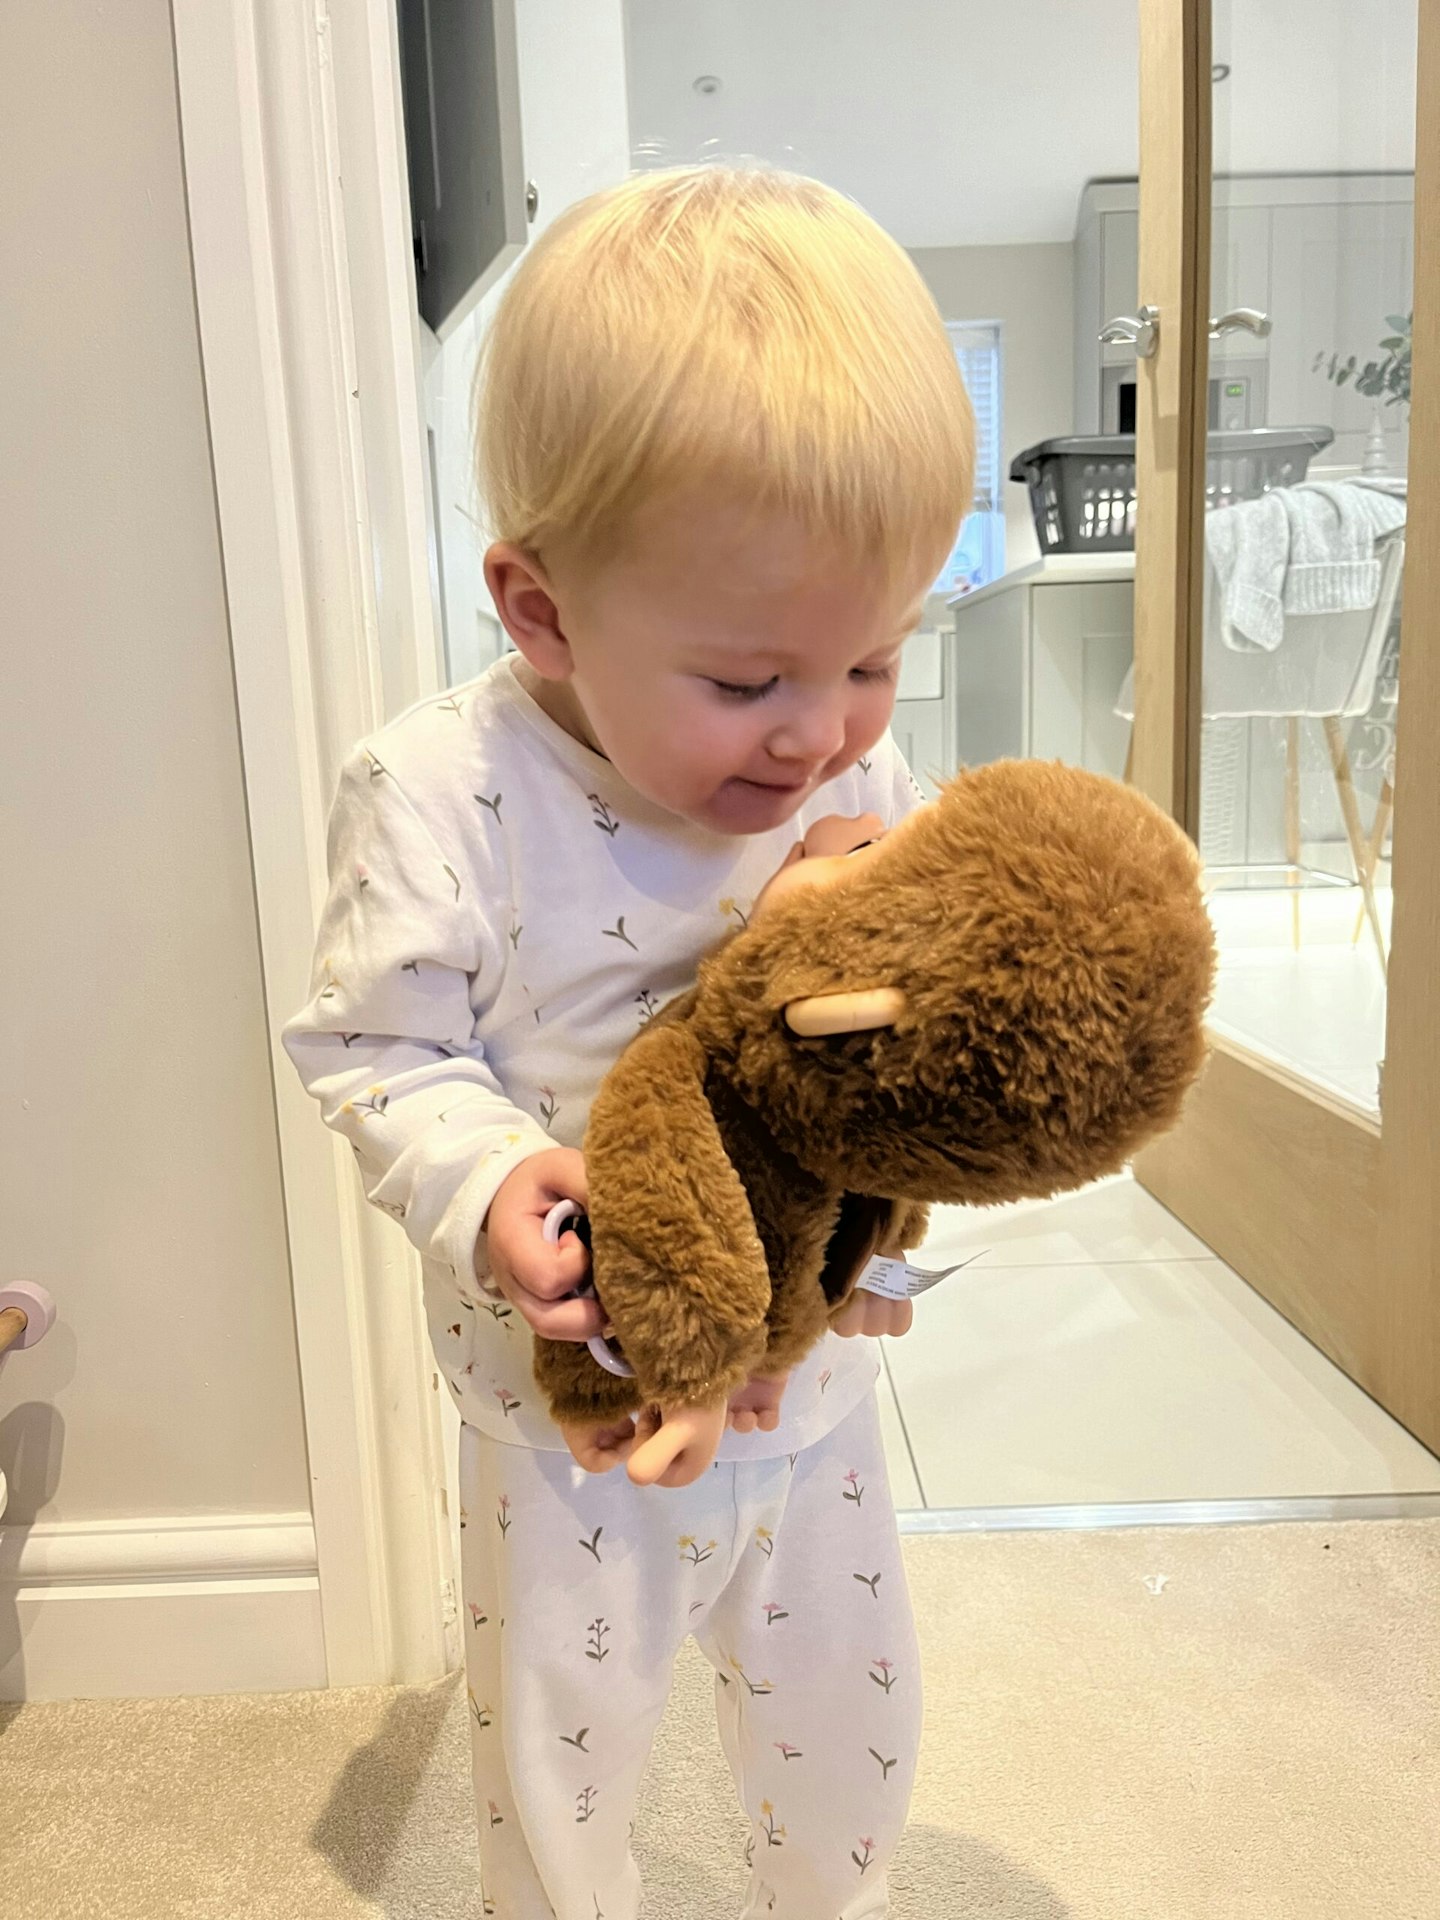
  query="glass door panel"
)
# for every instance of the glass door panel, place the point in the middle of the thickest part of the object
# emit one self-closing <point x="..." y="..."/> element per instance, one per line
<point x="1306" y="461"/>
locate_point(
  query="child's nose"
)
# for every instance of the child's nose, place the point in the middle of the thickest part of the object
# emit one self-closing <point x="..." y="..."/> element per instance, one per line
<point x="814" y="734"/>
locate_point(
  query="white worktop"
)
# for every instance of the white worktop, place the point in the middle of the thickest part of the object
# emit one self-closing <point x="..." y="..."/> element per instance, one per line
<point x="1053" y="569"/>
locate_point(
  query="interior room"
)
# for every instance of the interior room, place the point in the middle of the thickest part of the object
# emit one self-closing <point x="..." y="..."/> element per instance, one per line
<point x="1163" y="1446"/>
<point x="1025" y="230"/>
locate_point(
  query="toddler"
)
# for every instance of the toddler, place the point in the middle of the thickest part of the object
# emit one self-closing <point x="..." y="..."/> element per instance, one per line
<point x="725" y="447"/>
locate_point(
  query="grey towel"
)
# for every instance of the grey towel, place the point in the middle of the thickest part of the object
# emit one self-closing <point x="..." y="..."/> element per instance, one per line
<point x="1303" y="549"/>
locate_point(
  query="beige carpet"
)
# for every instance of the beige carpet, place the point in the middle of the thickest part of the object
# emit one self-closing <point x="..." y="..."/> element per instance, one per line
<point x="1219" y="1724"/>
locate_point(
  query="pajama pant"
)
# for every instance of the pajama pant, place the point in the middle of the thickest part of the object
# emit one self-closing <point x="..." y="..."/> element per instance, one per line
<point x="580" y="1591"/>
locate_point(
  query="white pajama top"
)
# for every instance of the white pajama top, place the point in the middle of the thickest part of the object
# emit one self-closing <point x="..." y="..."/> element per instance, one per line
<point x="504" y="913"/>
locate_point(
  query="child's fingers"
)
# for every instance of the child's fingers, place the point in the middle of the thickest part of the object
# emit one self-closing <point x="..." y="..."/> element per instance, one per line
<point x="598" y="1449"/>
<point x="560" y="1268"/>
<point x="870" y="1315"/>
<point x="616" y="1444"/>
<point x="685" y="1472"/>
<point x="678" y="1450"/>
<point x="568" y="1319"/>
<point x="559" y="1174"/>
<point x="841" y="834"/>
<point x="850" y="1320"/>
<point x="653" y="1461"/>
<point x="749" y="1419"/>
<point x="902" y="1318"/>
<point x="549" y="1269"/>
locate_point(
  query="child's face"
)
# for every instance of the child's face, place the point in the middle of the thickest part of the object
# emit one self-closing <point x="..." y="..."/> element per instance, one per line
<point x="727" y="666"/>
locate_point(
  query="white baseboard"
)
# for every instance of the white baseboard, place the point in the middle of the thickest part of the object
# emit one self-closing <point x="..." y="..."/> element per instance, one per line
<point x="156" y="1606"/>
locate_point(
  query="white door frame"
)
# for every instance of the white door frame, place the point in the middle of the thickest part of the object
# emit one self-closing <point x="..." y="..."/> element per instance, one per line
<point x="294" y="159"/>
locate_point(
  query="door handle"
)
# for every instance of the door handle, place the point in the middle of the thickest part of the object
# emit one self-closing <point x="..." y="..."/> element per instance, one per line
<point x="1141" y="331"/>
<point x="1241" y="320"/>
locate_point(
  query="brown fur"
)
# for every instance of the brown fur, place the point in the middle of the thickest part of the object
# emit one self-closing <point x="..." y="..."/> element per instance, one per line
<point x="1047" y="929"/>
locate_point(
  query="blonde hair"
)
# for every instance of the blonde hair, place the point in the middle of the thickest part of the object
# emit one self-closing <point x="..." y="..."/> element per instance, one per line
<point x="727" y="326"/>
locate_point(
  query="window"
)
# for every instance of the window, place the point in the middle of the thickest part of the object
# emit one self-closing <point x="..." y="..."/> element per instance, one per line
<point x="979" y="553"/>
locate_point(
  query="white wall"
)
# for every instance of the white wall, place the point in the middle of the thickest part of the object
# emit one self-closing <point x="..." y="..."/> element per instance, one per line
<point x="576" y="134"/>
<point x="1030" y="291"/>
<point x="137" y="1139"/>
<point x="964" y="123"/>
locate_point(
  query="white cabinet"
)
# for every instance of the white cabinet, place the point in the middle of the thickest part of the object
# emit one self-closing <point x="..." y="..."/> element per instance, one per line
<point x="924" y="719"/>
<point x="1038" y="661"/>
<point x="1240" y="265"/>
<point x="1327" y="256"/>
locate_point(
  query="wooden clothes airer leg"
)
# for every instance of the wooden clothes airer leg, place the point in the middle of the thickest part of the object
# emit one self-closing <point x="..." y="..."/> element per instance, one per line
<point x="1292" y="822"/>
<point x="1350" y="811"/>
<point x="1384" y="813"/>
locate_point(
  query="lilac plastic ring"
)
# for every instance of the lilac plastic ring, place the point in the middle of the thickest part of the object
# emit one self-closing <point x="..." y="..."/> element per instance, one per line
<point x="556" y="1221"/>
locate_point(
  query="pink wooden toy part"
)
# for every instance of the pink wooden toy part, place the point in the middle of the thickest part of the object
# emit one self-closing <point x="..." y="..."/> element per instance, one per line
<point x="36" y="1309"/>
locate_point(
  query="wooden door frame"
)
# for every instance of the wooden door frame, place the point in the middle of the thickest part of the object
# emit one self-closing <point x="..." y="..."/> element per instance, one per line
<point x="1307" y="1185"/>
<point x="1170" y="445"/>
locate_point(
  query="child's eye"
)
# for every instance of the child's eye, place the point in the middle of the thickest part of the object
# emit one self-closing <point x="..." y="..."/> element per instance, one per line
<point x="752" y="690"/>
<point x="875" y="673"/>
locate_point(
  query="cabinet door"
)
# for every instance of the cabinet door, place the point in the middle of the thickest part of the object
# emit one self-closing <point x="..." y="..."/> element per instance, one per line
<point x="1338" y="270"/>
<point x="1090" y="317"/>
<point x="1081" y="646"/>
<point x="462" y="137"/>
<point x="1120" y="277"/>
<point x="1239" y="269"/>
<point x="922" y="737"/>
<point x="922" y="722"/>
<point x="990" y="671"/>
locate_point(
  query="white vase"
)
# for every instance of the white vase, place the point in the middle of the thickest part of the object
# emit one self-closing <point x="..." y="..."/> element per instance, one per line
<point x="1376" y="457"/>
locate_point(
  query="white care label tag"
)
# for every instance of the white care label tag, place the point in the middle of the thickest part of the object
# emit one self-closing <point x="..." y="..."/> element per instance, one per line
<point x="895" y="1280"/>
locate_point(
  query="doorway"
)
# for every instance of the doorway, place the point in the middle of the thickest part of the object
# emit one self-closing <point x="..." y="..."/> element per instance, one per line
<point x="1160" y="1343"/>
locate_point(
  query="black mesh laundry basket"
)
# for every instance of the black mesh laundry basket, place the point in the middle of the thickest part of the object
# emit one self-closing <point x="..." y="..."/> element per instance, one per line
<point x="1082" y="489"/>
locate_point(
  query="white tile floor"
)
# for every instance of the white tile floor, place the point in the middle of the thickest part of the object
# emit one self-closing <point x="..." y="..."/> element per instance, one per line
<point x="1318" y="1009"/>
<point x="1095" y="1352"/>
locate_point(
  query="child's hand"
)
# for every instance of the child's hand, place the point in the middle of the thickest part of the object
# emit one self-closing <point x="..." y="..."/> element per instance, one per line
<point x="839" y="833"/>
<point x="757" y="1403"/>
<point x="829" y="839"/>
<point x="599" y="1445"/>
<point x="534" y="1275"/>
<point x="676" y="1448"/>
<point x="869" y="1313"/>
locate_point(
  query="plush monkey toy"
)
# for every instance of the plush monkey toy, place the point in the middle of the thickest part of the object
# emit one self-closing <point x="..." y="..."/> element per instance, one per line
<point x="1002" y="998"/>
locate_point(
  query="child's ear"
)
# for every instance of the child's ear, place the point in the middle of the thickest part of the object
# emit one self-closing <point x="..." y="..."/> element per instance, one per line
<point x="526" y="603"/>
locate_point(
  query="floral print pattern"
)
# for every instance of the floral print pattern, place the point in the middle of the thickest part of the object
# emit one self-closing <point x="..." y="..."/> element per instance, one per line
<point x="464" y="875"/>
<point x="826" y="1745"/>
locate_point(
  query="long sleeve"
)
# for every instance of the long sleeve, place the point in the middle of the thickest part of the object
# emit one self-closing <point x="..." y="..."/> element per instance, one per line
<point x="408" y="955"/>
<point x="503" y="914"/>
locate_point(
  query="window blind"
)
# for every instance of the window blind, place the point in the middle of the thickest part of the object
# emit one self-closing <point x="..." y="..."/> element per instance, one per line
<point x="977" y="348"/>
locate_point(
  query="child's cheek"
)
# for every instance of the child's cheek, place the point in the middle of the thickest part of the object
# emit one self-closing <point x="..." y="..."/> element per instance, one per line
<point x="736" y="734"/>
<point x="869" y="722"/>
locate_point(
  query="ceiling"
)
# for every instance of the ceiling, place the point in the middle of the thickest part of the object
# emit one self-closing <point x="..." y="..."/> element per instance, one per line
<point x="967" y="122"/>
